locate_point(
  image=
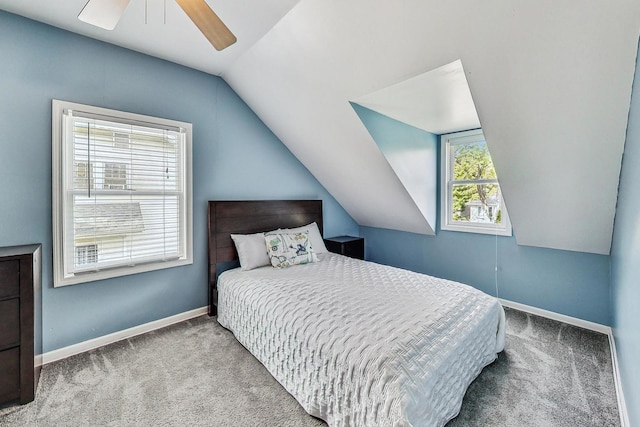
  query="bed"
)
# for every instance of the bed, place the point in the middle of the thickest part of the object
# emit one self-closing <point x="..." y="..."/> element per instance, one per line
<point x="356" y="343"/>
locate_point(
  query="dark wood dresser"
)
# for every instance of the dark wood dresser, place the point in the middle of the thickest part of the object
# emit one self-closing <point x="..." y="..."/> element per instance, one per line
<point x="20" y="305"/>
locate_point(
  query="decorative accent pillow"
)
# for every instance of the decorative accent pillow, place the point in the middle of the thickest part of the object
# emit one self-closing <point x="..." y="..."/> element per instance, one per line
<point x="317" y="242"/>
<point x="251" y="250"/>
<point x="287" y="249"/>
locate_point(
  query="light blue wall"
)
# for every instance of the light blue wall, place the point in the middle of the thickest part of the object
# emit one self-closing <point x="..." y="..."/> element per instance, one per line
<point x="625" y="262"/>
<point x="411" y="152"/>
<point x="234" y="157"/>
<point x="571" y="283"/>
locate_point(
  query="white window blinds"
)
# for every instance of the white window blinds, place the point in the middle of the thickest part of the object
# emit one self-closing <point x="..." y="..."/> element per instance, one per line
<point x="125" y="193"/>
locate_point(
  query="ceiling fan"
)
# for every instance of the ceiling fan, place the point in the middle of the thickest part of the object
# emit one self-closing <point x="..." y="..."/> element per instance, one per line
<point x="106" y="14"/>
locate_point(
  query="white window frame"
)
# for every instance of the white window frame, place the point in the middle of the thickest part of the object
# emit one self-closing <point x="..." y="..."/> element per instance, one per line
<point x="446" y="187"/>
<point x="61" y="215"/>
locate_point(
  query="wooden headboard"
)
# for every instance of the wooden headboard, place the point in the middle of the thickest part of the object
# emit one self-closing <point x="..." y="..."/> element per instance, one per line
<point x="246" y="217"/>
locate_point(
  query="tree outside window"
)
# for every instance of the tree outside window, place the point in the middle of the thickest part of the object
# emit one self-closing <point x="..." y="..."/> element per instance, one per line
<point x="472" y="200"/>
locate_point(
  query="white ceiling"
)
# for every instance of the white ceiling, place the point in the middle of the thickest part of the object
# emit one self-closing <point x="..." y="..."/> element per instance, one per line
<point x="551" y="82"/>
<point x="438" y="101"/>
<point x="161" y="28"/>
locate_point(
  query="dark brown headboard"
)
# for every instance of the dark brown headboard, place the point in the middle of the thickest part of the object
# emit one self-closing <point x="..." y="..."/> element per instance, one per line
<point x="251" y="216"/>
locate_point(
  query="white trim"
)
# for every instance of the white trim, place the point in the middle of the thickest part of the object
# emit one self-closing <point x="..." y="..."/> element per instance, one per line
<point x="592" y="326"/>
<point x="63" y="353"/>
<point x="585" y="324"/>
<point x="622" y="403"/>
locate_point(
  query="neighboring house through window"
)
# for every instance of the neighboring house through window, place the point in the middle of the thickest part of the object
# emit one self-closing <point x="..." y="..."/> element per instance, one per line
<point x="471" y="196"/>
<point x="115" y="176"/>
<point x="122" y="193"/>
<point x="86" y="254"/>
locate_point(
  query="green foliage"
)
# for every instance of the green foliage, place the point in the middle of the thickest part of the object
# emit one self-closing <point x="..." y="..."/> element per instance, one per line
<point x="471" y="162"/>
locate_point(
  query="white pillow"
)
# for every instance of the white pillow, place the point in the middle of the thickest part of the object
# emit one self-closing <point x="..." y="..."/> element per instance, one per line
<point x="252" y="251"/>
<point x="287" y="249"/>
<point x="317" y="242"/>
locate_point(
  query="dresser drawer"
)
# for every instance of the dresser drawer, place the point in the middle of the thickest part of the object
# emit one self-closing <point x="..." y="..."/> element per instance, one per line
<point x="9" y="278"/>
<point x="9" y="323"/>
<point x="9" y="374"/>
<point x="20" y="337"/>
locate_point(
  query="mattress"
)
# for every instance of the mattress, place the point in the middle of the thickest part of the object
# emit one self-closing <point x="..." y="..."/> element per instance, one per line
<point x="363" y="344"/>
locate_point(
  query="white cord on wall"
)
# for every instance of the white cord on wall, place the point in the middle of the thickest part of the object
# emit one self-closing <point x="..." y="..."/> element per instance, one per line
<point x="496" y="268"/>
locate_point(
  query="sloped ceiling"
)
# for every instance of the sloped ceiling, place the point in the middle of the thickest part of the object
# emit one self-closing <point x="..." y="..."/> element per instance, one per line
<point x="551" y="82"/>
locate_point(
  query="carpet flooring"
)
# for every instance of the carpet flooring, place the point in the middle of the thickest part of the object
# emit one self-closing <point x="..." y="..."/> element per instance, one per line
<point x="196" y="374"/>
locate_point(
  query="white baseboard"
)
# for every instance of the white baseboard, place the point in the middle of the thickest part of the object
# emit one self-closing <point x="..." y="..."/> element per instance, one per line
<point x="622" y="403"/>
<point x="585" y="324"/>
<point x="597" y="327"/>
<point x="63" y="353"/>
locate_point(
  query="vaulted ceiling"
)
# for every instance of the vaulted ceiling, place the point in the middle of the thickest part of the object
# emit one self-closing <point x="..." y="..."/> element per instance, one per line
<point x="551" y="83"/>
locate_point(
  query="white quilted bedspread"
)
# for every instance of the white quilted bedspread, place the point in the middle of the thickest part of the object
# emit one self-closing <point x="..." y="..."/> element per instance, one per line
<point x="362" y="344"/>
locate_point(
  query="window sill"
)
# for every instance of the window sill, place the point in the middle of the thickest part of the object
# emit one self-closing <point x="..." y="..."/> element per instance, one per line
<point x="478" y="229"/>
<point x="91" y="276"/>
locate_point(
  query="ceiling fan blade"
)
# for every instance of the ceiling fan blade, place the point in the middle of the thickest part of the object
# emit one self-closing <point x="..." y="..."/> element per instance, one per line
<point x="103" y="13"/>
<point x="208" y="23"/>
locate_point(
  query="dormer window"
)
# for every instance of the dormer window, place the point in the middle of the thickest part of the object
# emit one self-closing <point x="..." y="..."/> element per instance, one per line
<point x="471" y="196"/>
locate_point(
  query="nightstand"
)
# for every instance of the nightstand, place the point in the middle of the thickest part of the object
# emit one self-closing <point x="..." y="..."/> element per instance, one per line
<point x="346" y="245"/>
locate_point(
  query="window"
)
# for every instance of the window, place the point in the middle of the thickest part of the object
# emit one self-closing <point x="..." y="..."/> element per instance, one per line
<point x="471" y="197"/>
<point x="121" y="193"/>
